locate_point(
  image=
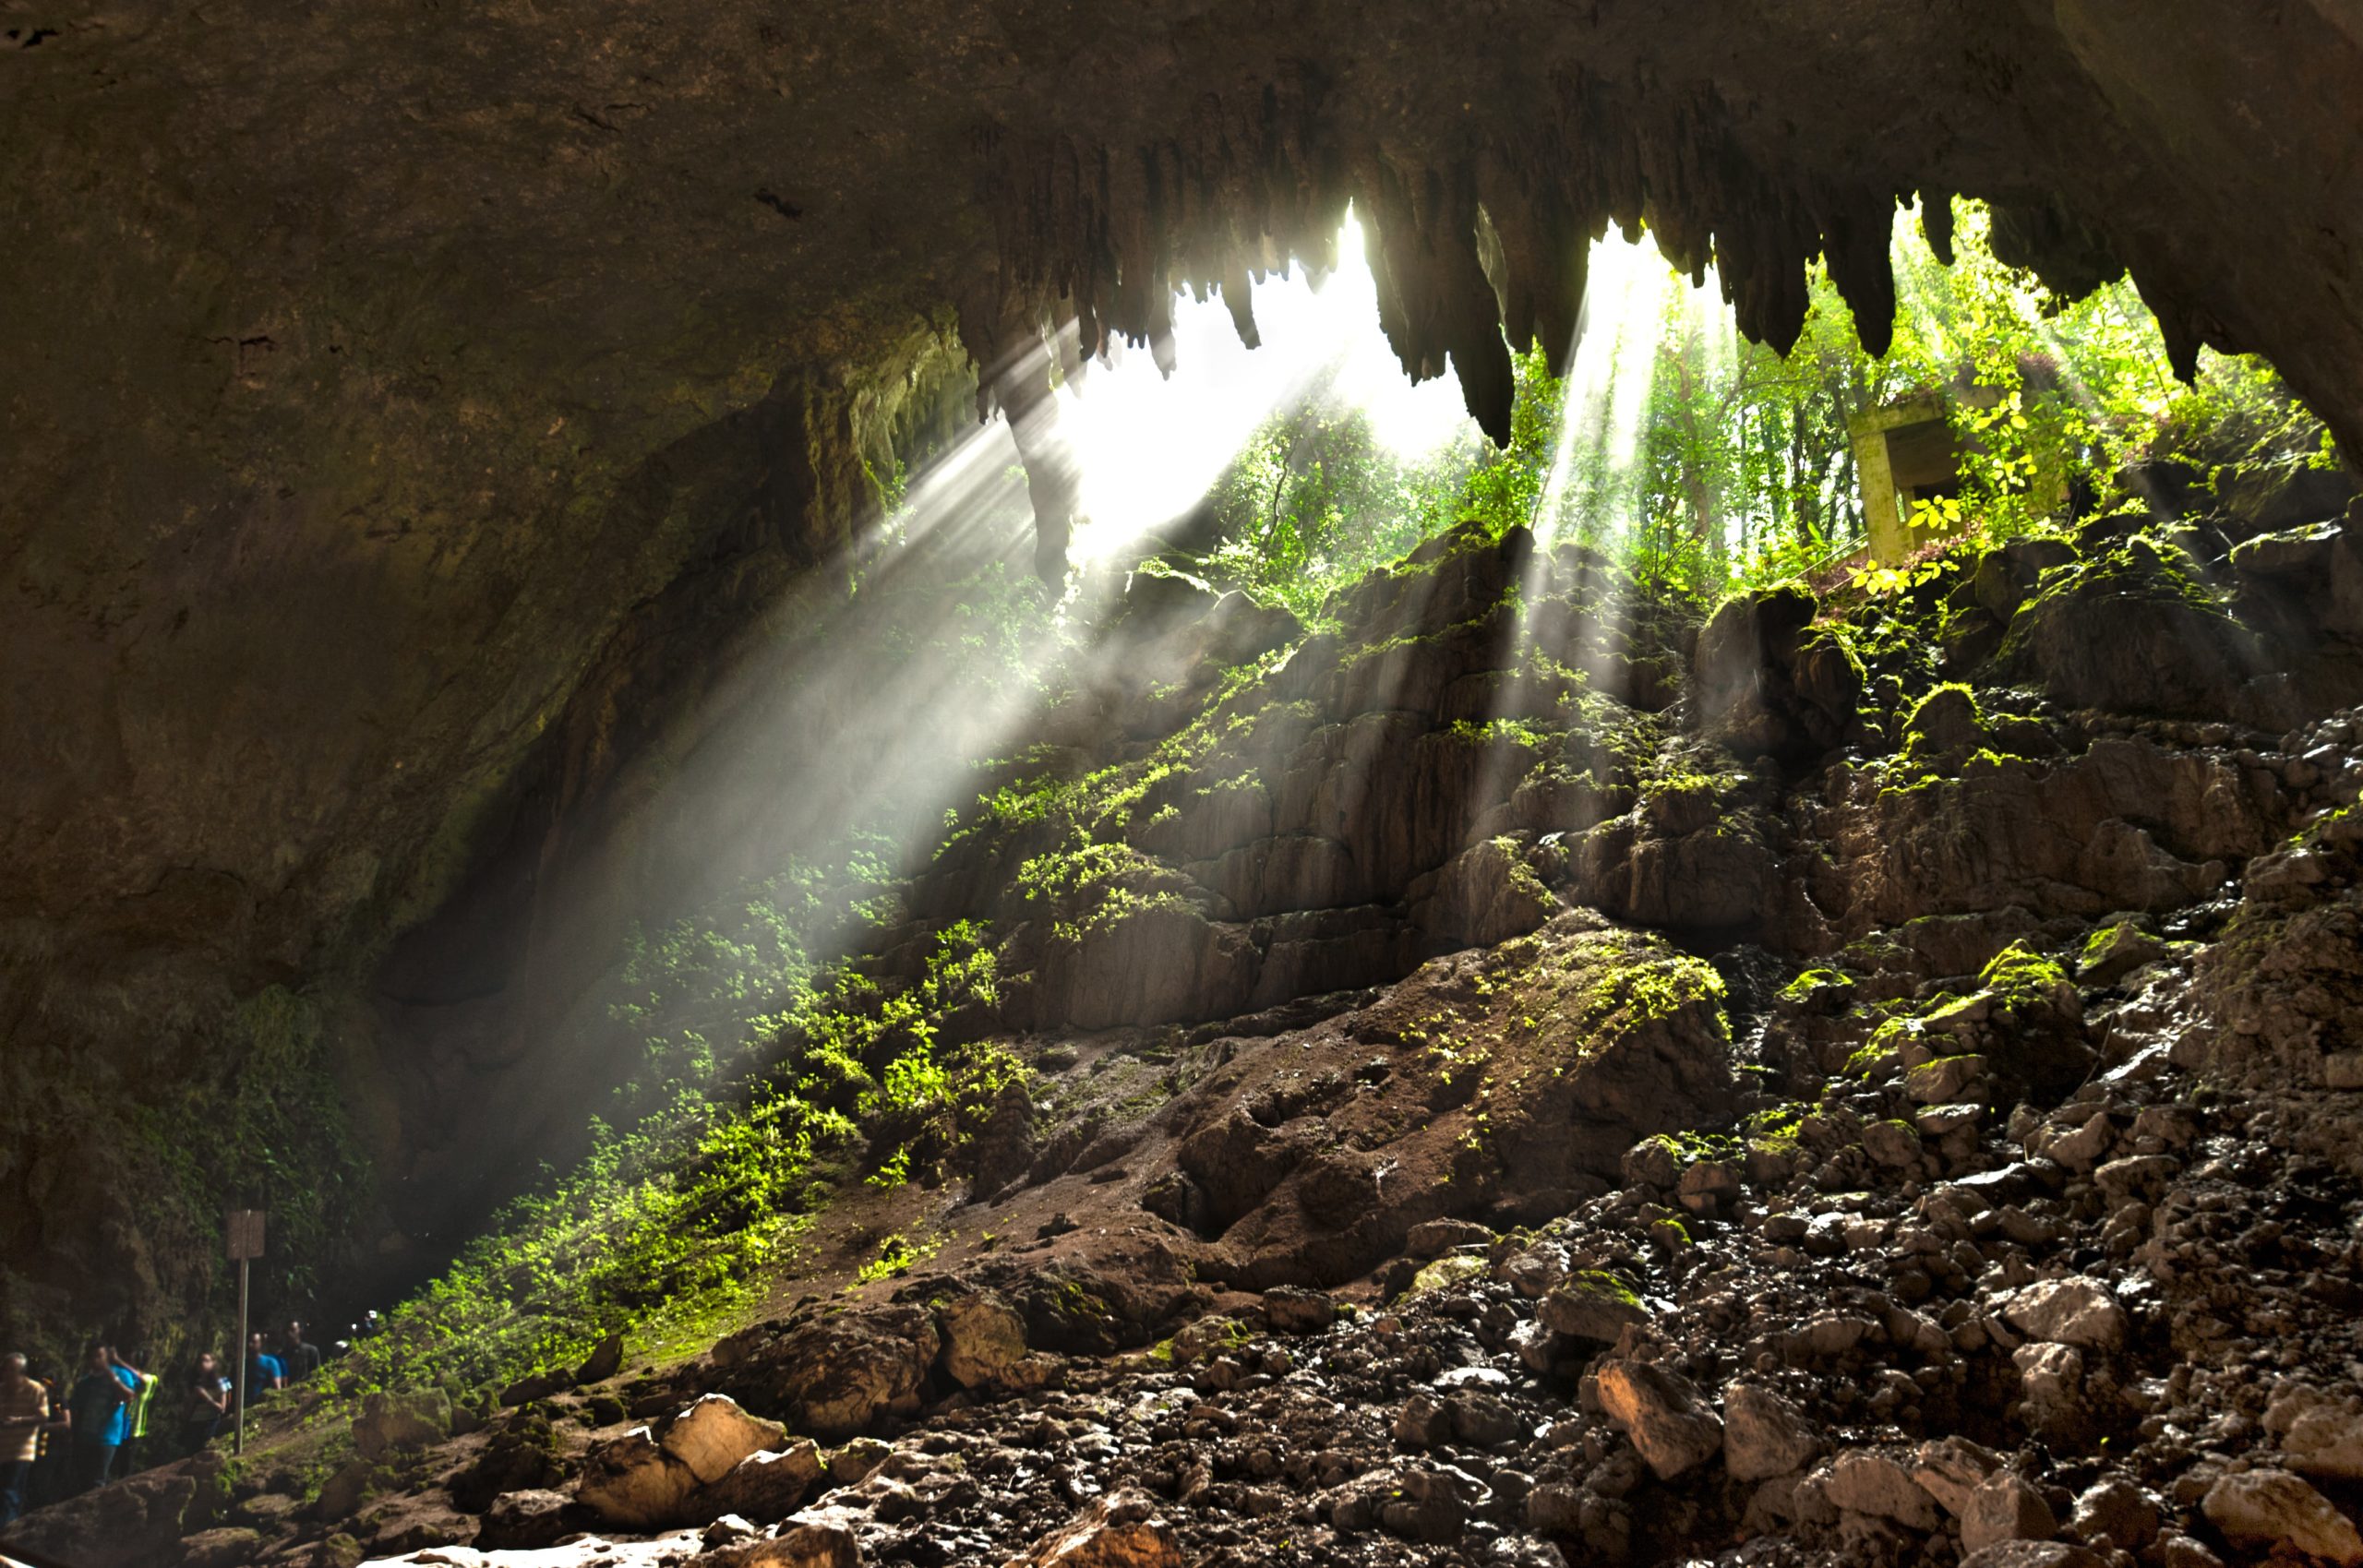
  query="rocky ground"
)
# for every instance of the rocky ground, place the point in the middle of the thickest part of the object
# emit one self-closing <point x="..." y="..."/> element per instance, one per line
<point x="1830" y="1114"/>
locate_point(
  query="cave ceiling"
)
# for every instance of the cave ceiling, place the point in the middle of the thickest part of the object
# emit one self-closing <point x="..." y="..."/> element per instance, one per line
<point x="373" y="377"/>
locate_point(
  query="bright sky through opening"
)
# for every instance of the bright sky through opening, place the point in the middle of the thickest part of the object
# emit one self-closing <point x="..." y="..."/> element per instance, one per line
<point x="1147" y="448"/>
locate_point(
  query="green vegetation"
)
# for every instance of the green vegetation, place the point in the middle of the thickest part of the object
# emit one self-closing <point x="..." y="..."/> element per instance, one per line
<point x="1738" y="466"/>
<point x="668" y="1230"/>
<point x="1315" y="501"/>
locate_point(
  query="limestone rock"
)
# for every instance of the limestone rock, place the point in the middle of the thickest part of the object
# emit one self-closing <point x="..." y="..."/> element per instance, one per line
<point x="1669" y="1423"/>
<point x="1763" y="1434"/>
<point x="1124" y="1529"/>
<point x="857" y="1460"/>
<point x="984" y="1341"/>
<point x="346" y="1490"/>
<point x="2075" y="1310"/>
<point x="803" y="1543"/>
<point x="606" y="1358"/>
<point x="1291" y="1309"/>
<point x="1432" y="1239"/>
<point x="1945" y="1079"/>
<point x="2005" y="1508"/>
<point x="225" y="1547"/>
<point x="1592" y="1305"/>
<point x="632" y="1483"/>
<point x="1865" y="1481"/>
<point x="1950" y="1469"/>
<point x="767" y="1486"/>
<point x="832" y="1376"/>
<point x="410" y="1418"/>
<point x="2118" y="1509"/>
<point x="712" y="1434"/>
<point x="2275" y="1508"/>
<point x="2319" y="1436"/>
<point x="524" y="1521"/>
<point x="2034" y="1554"/>
<point x="2049" y="1378"/>
<point x="1892" y="1143"/>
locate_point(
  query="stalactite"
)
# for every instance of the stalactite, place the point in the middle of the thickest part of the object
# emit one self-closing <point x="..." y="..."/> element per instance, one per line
<point x="1936" y="222"/>
<point x="1475" y="248"/>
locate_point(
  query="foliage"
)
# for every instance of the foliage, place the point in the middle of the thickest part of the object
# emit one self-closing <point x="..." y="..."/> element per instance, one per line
<point x="1315" y="500"/>
<point x="1704" y="463"/>
<point x="669" y="1228"/>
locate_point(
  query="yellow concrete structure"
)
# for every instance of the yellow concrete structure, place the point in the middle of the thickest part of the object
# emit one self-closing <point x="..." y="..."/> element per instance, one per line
<point x="1904" y="453"/>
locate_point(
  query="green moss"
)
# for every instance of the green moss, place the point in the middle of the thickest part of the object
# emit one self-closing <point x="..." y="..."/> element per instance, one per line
<point x="1605" y="1284"/>
<point x="2017" y="975"/>
<point x="1450" y="1270"/>
<point x="1776" y="1130"/>
<point x="1517" y="732"/>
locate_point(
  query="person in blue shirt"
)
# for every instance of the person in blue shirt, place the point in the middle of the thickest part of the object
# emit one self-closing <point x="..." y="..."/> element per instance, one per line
<point x="264" y="1370"/>
<point x="100" y="1407"/>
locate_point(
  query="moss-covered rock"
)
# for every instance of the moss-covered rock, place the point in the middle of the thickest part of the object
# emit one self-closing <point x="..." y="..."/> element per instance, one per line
<point x="2136" y="628"/>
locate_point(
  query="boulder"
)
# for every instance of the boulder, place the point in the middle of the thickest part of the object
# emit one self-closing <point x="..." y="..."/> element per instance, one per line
<point x="2319" y="1435"/>
<point x="2005" y="1508"/>
<point x="1432" y="1238"/>
<point x="347" y="1488"/>
<point x="226" y="1548"/>
<point x="2034" y="1554"/>
<point x="539" y="1385"/>
<point x="1867" y="1483"/>
<point x="606" y="1358"/>
<point x="1291" y="1309"/>
<point x="834" y="1376"/>
<point x="1670" y="1425"/>
<point x="2074" y="1310"/>
<point x="527" y="1521"/>
<point x="2275" y="1508"/>
<point x="1945" y="1080"/>
<point x="984" y="1342"/>
<point x="767" y="1486"/>
<point x="1484" y="896"/>
<point x="807" y="1541"/>
<point x="126" y="1524"/>
<point x="1124" y="1529"/>
<point x="632" y="1483"/>
<point x="2133" y="630"/>
<point x="1892" y="1143"/>
<point x="712" y="1434"/>
<point x="2117" y="1508"/>
<point x="1422" y="1422"/>
<point x="2049" y="1379"/>
<point x="1767" y="682"/>
<point x="1763" y="1434"/>
<point x="1950" y="1469"/>
<point x="410" y="1418"/>
<point x="1591" y="1305"/>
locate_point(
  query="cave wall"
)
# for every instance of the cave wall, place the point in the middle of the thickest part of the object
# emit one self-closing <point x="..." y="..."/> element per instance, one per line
<point x="389" y="394"/>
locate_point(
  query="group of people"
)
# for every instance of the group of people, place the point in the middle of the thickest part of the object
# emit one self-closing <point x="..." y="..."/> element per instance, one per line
<point x="60" y="1440"/>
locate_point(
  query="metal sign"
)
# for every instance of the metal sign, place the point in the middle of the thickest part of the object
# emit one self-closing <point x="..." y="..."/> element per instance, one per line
<point x="244" y="1228"/>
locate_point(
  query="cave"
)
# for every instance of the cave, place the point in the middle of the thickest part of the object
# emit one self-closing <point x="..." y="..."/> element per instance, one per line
<point x="976" y="783"/>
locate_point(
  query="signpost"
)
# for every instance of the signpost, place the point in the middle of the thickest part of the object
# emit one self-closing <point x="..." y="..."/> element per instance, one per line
<point x="243" y="1229"/>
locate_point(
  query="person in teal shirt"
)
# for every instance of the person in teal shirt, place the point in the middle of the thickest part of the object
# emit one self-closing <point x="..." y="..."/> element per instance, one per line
<point x="100" y="1407"/>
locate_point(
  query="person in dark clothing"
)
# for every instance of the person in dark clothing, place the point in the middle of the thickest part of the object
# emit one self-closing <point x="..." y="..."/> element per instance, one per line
<point x="206" y="1400"/>
<point x="101" y="1408"/>
<point x="299" y="1359"/>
